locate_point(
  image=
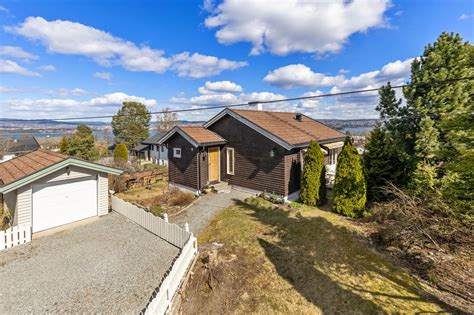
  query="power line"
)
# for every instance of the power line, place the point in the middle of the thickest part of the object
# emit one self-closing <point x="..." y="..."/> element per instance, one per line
<point x="254" y="103"/>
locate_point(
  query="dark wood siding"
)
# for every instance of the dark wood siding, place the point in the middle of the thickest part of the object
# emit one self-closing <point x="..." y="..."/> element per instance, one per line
<point x="184" y="170"/>
<point x="293" y="171"/>
<point x="204" y="167"/>
<point x="254" y="168"/>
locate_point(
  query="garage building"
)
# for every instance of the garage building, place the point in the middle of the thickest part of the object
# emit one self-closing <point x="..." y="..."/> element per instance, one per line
<point x="45" y="189"/>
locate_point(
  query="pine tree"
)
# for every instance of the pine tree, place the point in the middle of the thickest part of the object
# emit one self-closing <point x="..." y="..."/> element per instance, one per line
<point x="449" y="106"/>
<point x="379" y="167"/>
<point x="349" y="186"/>
<point x="80" y="144"/>
<point x="121" y="153"/>
<point x="130" y="124"/>
<point x="426" y="147"/>
<point x="311" y="191"/>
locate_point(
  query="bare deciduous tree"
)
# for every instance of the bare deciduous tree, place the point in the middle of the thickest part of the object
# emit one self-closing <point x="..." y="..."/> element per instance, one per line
<point x="167" y="120"/>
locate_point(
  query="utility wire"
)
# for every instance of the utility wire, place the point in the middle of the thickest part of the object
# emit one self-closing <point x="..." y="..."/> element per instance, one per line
<point x="254" y="103"/>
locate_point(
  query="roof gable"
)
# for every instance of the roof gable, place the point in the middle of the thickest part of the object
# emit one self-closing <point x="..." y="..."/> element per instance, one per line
<point x="283" y="127"/>
<point x="196" y="135"/>
<point x="27" y="168"/>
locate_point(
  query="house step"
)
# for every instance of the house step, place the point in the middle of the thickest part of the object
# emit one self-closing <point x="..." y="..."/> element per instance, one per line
<point x="221" y="187"/>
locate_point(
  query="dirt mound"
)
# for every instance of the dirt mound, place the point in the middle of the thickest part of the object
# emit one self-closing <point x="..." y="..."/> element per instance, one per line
<point x="217" y="283"/>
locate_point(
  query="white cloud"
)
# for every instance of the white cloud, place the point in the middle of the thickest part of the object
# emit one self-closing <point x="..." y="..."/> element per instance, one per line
<point x="49" y="68"/>
<point x="118" y="98"/>
<point x="298" y="75"/>
<point x="283" y="27"/>
<point x="61" y="107"/>
<point x="66" y="92"/>
<point x="199" y="66"/>
<point x="17" y="52"/>
<point x="465" y="16"/>
<point x="71" y="38"/>
<point x="8" y="66"/>
<point x="3" y="9"/>
<point x="8" y="89"/>
<point x="224" y="93"/>
<point x="219" y="87"/>
<point x="103" y="75"/>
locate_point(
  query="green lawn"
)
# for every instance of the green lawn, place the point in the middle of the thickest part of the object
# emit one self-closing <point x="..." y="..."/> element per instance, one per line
<point x="303" y="260"/>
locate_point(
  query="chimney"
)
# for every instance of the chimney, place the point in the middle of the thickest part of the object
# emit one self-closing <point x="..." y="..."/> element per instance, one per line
<point x="256" y="103"/>
<point x="299" y="117"/>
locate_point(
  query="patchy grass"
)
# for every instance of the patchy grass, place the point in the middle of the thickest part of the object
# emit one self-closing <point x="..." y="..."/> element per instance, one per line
<point x="159" y="199"/>
<point x="303" y="260"/>
<point x="137" y="194"/>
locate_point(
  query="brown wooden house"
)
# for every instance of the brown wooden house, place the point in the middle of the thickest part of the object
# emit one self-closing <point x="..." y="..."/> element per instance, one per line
<point x="253" y="150"/>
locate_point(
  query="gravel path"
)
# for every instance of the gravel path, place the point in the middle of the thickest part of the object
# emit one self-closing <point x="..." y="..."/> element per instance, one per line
<point x="108" y="266"/>
<point x="204" y="209"/>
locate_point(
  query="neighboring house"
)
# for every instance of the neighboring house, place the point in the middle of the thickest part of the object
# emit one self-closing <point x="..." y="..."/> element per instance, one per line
<point x="45" y="189"/>
<point x="250" y="149"/>
<point x="17" y="147"/>
<point x="49" y="143"/>
<point x="150" y="150"/>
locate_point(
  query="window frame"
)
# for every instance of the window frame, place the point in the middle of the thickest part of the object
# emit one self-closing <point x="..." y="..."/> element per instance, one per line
<point x="177" y="153"/>
<point x="227" y="150"/>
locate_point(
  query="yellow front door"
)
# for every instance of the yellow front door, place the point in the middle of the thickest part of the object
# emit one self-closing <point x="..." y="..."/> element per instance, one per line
<point x="213" y="164"/>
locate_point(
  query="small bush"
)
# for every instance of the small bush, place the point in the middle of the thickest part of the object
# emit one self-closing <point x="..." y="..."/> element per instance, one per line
<point x="349" y="186"/>
<point x="313" y="184"/>
<point x="157" y="210"/>
<point x="121" y="153"/>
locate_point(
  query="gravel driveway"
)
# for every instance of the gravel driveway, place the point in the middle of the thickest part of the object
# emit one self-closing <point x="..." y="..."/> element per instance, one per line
<point x="111" y="265"/>
<point x="204" y="209"/>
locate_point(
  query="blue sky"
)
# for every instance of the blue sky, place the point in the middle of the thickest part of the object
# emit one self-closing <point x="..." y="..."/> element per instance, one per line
<point x="82" y="58"/>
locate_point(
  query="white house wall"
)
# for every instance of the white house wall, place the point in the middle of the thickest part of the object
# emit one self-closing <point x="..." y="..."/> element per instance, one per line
<point x="103" y="194"/>
<point x="23" y="205"/>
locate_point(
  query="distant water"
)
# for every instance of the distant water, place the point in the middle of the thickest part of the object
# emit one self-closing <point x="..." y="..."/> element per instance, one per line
<point x="358" y="129"/>
<point x="98" y="133"/>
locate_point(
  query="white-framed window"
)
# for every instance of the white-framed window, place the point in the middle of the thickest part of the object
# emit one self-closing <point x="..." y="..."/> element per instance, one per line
<point x="230" y="160"/>
<point x="177" y="152"/>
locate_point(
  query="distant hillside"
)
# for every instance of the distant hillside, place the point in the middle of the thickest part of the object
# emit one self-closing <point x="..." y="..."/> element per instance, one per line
<point x="35" y="124"/>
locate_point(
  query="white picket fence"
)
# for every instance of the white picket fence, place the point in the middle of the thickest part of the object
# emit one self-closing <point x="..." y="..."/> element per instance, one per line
<point x="15" y="235"/>
<point x="162" y="297"/>
<point x="170" y="285"/>
<point x="158" y="226"/>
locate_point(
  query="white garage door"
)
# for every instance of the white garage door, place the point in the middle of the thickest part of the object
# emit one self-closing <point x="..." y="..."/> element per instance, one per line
<point x="63" y="202"/>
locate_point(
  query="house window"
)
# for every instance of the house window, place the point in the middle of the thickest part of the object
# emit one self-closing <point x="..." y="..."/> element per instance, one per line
<point x="162" y="148"/>
<point x="177" y="152"/>
<point x="230" y="161"/>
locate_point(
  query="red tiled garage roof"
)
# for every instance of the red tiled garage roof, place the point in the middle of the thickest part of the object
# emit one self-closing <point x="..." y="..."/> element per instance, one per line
<point x="202" y="135"/>
<point x="285" y="126"/>
<point x="28" y="164"/>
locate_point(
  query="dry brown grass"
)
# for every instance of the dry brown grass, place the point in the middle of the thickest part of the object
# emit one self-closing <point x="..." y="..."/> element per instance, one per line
<point x="158" y="198"/>
<point x="432" y="240"/>
<point x="304" y="260"/>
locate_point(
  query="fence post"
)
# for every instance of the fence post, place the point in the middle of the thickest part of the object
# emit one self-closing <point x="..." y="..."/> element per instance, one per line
<point x="165" y="217"/>
<point x="186" y="227"/>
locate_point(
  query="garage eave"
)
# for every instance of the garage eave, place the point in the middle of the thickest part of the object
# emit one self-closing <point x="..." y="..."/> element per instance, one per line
<point x="55" y="167"/>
